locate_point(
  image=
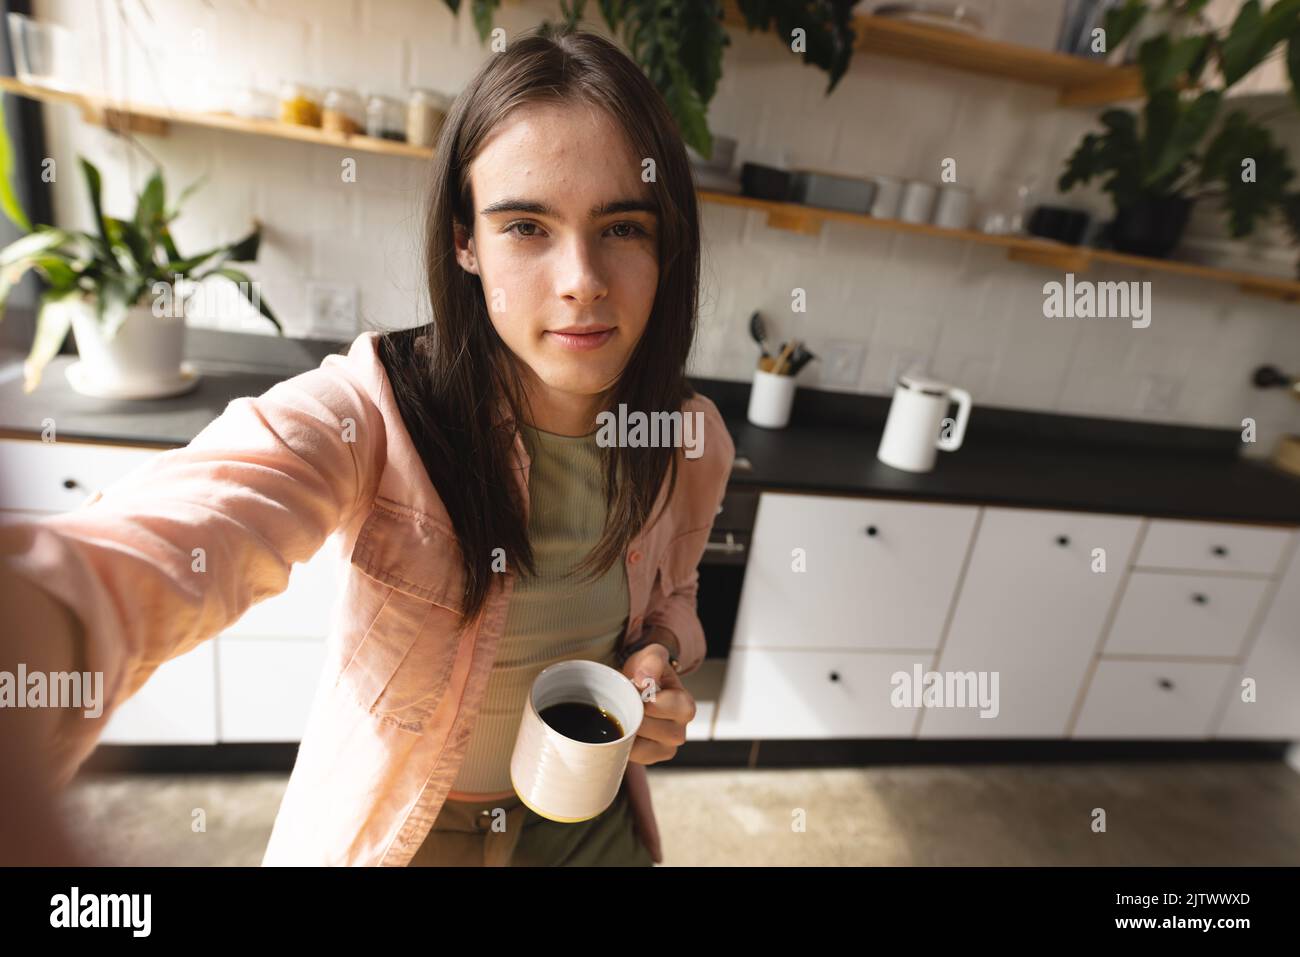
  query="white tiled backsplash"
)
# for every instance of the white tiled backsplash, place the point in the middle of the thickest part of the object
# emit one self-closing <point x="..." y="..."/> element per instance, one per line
<point x="875" y="298"/>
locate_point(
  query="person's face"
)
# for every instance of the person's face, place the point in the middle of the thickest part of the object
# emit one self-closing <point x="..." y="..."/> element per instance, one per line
<point x="564" y="235"/>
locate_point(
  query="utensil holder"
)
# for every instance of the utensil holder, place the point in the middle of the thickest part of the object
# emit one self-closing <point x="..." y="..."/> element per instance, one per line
<point x="770" y="399"/>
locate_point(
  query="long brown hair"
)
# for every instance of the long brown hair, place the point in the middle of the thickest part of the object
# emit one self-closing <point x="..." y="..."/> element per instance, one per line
<point x="447" y="375"/>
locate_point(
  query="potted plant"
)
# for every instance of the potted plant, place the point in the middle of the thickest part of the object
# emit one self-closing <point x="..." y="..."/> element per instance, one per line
<point x="1157" y="164"/>
<point x="122" y="288"/>
<point x="679" y="43"/>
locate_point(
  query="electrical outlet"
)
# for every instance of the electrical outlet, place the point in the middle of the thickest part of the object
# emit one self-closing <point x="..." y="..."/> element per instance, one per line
<point x="840" y="360"/>
<point x="332" y="308"/>
<point x="1159" y="394"/>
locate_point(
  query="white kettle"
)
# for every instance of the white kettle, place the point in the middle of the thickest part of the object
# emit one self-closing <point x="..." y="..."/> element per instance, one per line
<point x="914" y="430"/>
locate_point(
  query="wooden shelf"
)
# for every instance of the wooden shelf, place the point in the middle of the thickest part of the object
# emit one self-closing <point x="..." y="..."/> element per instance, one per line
<point x="156" y="121"/>
<point x="1080" y="81"/>
<point x="808" y="220"/>
<point x="795" y="217"/>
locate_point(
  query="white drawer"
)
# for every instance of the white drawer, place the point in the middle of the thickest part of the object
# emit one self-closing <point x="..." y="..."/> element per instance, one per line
<point x="1213" y="547"/>
<point x="177" y="705"/>
<point x="266" y="686"/>
<point x="875" y="574"/>
<point x="59" y="476"/>
<point x="1175" y="614"/>
<point x="814" y="694"/>
<point x="1151" y="699"/>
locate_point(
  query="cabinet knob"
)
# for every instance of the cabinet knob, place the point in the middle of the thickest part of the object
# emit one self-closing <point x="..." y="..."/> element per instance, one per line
<point x="1200" y="599"/>
<point x="834" y="676"/>
<point x="1166" y="684"/>
<point x="1063" y="540"/>
<point x="872" y="530"/>
<point x="1219" y="550"/>
<point x="69" y="483"/>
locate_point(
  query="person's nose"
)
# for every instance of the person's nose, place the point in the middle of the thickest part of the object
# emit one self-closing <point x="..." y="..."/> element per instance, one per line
<point x="581" y="278"/>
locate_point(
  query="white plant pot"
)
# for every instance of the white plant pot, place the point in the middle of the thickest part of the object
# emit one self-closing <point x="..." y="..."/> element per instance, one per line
<point x="143" y="359"/>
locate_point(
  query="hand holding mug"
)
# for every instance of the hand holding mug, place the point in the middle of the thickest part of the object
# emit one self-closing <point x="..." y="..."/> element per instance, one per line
<point x="669" y="707"/>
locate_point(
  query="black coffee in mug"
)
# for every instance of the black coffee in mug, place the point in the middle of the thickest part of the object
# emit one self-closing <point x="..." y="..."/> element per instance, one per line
<point x="583" y="721"/>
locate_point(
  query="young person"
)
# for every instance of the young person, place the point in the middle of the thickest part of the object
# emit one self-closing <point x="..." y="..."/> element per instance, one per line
<point x="491" y="524"/>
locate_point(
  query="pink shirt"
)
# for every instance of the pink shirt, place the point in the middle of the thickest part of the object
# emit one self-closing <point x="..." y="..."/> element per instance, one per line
<point x="264" y="486"/>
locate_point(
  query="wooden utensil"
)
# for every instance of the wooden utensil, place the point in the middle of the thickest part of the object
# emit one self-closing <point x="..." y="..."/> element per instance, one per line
<point x="782" y="360"/>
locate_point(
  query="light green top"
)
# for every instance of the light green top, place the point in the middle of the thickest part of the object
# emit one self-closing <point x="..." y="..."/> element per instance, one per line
<point x="554" y="616"/>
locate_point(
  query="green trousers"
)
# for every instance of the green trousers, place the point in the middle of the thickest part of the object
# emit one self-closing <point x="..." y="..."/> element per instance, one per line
<point x="505" y="833"/>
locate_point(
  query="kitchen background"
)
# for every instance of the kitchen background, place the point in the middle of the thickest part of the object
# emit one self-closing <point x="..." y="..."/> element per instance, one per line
<point x="877" y="300"/>
<point x="983" y="572"/>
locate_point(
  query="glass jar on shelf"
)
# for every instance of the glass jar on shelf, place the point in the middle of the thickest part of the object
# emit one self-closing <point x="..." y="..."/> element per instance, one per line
<point x="425" y="112"/>
<point x="343" y="113"/>
<point x="384" y="118"/>
<point x="299" y="104"/>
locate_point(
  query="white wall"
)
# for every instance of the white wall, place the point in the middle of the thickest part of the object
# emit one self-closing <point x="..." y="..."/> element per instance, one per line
<point x="975" y="315"/>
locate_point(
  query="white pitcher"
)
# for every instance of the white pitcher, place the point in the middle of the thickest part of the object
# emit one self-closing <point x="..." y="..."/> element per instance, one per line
<point x="914" y="429"/>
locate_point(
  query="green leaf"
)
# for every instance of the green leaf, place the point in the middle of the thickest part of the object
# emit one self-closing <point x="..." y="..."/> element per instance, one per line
<point x="240" y="278"/>
<point x="53" y="320"/>
<point x="96" y="203"/>
<point x="13" y="209"/>
<point x="32" y="244"/>
<point x="1240" y="51"/>
<point x="1190" y="126"/>
<point x="1293" y="65"/>
<point x="701" y="39"/>
<point x="1120" y="21"/>
<point x="484" y="10"/>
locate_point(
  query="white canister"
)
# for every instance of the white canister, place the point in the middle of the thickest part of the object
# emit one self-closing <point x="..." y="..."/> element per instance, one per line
<point x="770" y="399"/>
<point x="953" y="211"/>
<point x="889" y="194"/>
<point x="563" y="779"/>
<point x="918" y="202"/>
<point x="916" y="428"/>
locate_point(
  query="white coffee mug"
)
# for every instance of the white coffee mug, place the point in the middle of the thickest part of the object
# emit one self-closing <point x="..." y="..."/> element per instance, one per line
<point x="558" y="777"/>
<point x="918" y="202"/>
<point x="954" y="208"/>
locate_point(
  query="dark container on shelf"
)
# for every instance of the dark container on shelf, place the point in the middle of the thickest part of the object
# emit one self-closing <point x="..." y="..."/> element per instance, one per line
<point x="1059" y="223"/>
<point x="1150" y="227"/>
<point x="765" y="182"/>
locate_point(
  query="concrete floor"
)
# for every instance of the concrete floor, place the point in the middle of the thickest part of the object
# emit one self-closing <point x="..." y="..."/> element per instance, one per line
<point x="1157" y="814"/>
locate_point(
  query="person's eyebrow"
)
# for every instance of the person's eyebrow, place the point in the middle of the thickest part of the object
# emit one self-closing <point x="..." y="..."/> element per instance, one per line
<point x="541" y="209"/>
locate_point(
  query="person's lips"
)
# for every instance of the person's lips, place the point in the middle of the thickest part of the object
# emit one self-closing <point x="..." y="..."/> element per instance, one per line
<point x="582" y="338"/>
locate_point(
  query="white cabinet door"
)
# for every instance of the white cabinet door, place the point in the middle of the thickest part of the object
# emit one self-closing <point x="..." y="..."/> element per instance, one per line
<point x="876" y="574"/>
<point x="58" y="476"/>
<point x="1032" y="609"/>
<point x="266" y="686"/>
<point x="177" y="705"/>
<point x="814" y="694"/>
<point x="1151" y="699"/>
<point x="1273" y="665"/>
<point x="1169" y="613"/>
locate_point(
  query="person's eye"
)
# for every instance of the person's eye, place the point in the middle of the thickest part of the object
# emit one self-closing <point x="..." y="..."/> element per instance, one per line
<point x="628" y="230"/>
<point x="523" y="228"/>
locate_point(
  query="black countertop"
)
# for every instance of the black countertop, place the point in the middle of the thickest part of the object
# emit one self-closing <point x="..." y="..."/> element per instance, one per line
<point x="1008" y="458"/>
